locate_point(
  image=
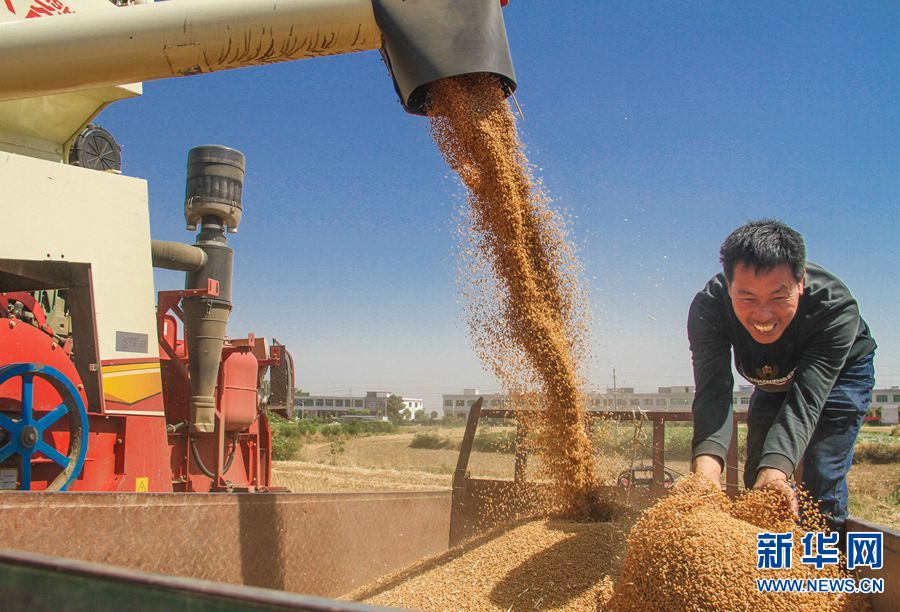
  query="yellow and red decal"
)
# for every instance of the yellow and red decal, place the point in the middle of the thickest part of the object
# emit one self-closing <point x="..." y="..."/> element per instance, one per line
<point x="134" y="384"/>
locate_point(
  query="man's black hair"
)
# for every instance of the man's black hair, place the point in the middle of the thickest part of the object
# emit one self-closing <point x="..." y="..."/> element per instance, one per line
<point x="763" y="245"/>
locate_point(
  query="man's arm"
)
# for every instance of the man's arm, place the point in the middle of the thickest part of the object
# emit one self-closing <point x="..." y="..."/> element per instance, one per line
<point x="709" y="466"/>
<point x="714" y="385"/>
<point x="820" y="363"/>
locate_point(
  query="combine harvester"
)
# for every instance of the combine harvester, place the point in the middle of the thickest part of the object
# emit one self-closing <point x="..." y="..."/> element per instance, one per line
<point x="137" y="424"/>
<point x="137" y="405"/>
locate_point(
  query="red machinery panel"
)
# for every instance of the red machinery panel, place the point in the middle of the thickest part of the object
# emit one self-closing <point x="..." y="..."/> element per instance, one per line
<point x="238" y="395"/>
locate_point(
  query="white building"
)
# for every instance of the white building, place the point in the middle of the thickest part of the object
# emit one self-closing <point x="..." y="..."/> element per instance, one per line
<point x="413" y="405"/>
<point x="458" y="404"/>
<point x="373" y="405"/>
<point x="664" y="399"/>
<point x="888" y="400"/>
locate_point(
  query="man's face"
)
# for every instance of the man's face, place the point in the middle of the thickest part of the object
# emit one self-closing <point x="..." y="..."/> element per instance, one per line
<point x="764" y="302"/>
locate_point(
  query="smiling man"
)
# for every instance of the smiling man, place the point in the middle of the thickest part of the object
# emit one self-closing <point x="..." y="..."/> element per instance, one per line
<point x="797" y="336"/>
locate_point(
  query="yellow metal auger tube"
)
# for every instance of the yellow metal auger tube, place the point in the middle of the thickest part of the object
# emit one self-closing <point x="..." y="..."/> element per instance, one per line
<point x="422" y="41"/>
<point x="159" y="40"/>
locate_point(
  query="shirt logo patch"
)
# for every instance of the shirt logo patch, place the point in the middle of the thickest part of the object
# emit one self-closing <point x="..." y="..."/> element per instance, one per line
<point x="767" y="372"/>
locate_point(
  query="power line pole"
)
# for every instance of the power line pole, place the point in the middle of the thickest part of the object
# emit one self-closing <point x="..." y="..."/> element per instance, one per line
<point x="615" y="392"/>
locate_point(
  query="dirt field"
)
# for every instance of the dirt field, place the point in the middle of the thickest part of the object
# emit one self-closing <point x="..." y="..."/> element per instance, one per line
<point x="386" y="462"/>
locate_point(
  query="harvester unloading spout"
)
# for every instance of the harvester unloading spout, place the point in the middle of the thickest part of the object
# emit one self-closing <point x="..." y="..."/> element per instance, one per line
<point x="425" y="40"/>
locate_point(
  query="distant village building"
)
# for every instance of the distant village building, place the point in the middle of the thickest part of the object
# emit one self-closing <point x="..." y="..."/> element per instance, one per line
<point x="413" y="405"/>
<point x="373" y="405"/>
<point x="887" y="401"/>
<point x="665" y="399"/>
<point x="458" y="404"/>
<point x="621" y="399"/>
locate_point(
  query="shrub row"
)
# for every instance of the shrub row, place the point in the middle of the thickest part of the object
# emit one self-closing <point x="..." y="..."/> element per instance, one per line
<point x="288" y="437"/>
<point x="429" y="439"/>
<point x="610" y="439"/>
<point x="286" y="441"/>
<point x="874" y="451"/>
<point x="485" y="441"/>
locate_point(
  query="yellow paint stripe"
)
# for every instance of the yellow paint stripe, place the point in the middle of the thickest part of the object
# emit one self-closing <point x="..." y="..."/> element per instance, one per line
<point x="109" y="375"/>
<point x="132" y="389"/>
<point x="129" y="367"/>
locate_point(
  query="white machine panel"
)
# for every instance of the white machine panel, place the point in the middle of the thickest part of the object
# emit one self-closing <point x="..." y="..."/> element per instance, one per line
<point x="53" y="211"/>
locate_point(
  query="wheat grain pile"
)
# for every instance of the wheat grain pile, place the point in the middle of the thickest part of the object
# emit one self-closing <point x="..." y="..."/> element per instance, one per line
<point x="536" y="565"/>
<point x="525" y="303"/>
<point x="696" y="550"/>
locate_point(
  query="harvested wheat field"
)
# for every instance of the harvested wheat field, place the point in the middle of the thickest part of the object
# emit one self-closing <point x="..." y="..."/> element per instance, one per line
<point x="540" y="564"/>
<point x="307" y="477"/>
<point x="393" y="452"/>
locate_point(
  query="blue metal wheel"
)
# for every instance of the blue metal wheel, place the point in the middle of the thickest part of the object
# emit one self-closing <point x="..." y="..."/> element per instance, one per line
<point x="25" y="436"/>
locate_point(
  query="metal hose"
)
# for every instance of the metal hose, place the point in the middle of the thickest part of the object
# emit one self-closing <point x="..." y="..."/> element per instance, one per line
<point x="177" y="256"/>
<point x="206" y="471"/>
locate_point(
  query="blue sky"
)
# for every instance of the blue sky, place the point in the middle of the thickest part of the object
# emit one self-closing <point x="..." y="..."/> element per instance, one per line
<point x="658" y="127"/>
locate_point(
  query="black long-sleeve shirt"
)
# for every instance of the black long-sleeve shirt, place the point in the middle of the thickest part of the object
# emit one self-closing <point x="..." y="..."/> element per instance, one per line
<point x="826" y="334"/>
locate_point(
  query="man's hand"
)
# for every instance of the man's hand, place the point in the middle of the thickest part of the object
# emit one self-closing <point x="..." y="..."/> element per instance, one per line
<point x="709" y="466"/>
<point x="772" y="478"/>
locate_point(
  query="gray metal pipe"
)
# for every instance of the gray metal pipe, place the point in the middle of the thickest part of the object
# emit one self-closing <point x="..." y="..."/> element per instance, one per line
<point x="213" y="198"/>
<point x="177" y="256"/>
<point x="206" y="325"/>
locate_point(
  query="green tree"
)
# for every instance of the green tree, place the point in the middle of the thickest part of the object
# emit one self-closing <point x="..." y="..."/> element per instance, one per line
<point x="394" y="408"/>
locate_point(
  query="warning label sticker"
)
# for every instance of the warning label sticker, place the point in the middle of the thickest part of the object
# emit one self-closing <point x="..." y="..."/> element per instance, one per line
<point x="8" y="477"/>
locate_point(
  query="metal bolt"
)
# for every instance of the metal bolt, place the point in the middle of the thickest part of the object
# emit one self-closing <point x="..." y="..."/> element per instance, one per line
<point x="29" y="436"/>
